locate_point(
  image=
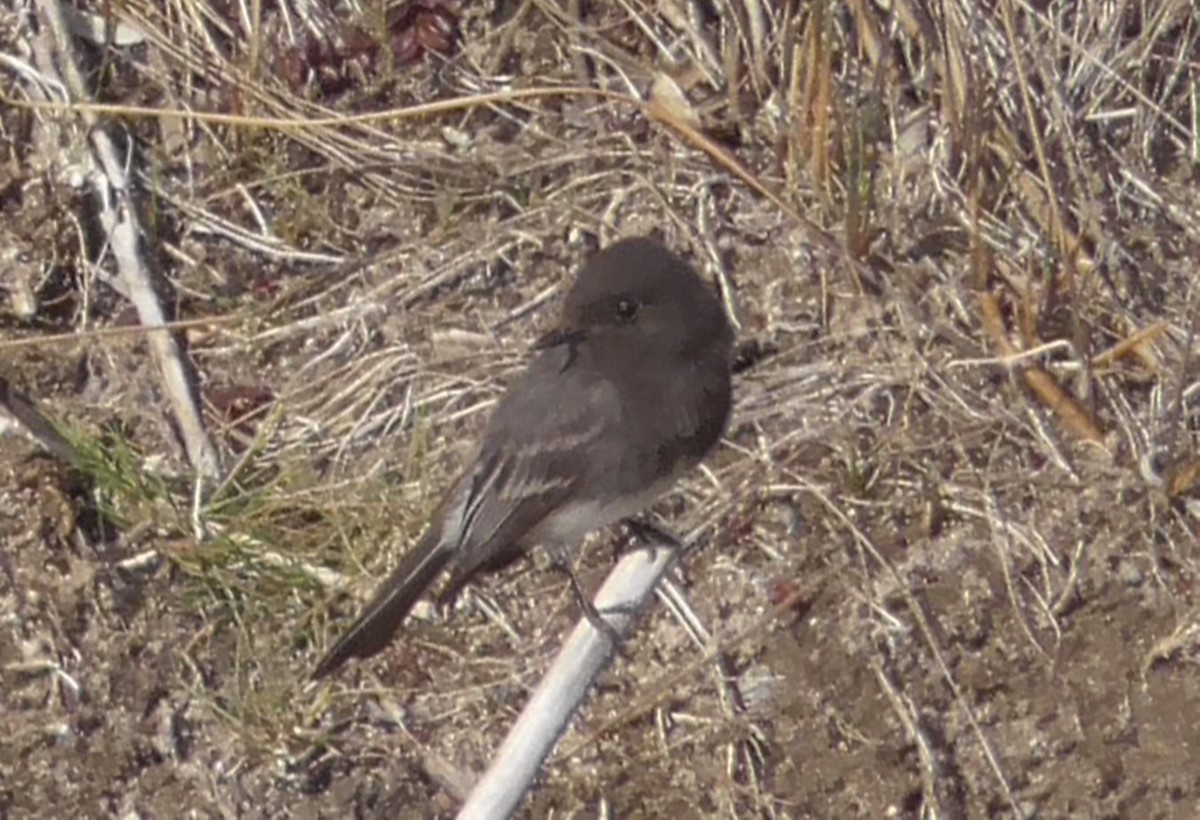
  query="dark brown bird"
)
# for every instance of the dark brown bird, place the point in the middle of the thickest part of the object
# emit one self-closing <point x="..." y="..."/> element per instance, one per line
<point x="631" y="390"/>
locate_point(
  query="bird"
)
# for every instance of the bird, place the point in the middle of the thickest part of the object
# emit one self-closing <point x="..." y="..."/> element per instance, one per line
<point x="629" y="391"/>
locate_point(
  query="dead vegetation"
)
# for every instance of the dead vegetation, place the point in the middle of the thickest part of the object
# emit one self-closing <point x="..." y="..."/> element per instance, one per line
<point x="948" y="551"/>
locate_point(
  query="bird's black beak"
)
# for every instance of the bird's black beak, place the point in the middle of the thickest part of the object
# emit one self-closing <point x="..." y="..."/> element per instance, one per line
<point x="559" y="336"/>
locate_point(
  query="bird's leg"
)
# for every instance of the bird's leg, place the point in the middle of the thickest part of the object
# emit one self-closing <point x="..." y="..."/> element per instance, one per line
<point x="647" y="535"/>
<point x="562" y="562"/>
<point x="642" y="535"/>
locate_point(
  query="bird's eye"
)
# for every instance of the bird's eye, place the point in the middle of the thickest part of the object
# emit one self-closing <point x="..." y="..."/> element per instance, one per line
<point x="627" y="310"/>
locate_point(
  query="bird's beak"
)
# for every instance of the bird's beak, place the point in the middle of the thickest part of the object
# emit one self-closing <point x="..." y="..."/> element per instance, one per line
<point x="558" y="336"/>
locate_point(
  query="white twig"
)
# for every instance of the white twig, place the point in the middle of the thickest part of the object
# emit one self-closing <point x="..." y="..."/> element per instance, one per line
<point x="585" y="654"/>
<point x="123" y="229"/>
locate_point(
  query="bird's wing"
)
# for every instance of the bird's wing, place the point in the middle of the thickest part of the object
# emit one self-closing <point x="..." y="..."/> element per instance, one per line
<point x="533" y="459"/>
<point x="528" y="465"/>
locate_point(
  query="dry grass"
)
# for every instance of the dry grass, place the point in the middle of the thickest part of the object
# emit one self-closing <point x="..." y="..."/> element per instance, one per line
<point x="960" y="241"/>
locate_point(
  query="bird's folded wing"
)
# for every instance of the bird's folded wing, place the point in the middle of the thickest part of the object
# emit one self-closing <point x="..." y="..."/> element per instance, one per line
<point x="525" y="471"/>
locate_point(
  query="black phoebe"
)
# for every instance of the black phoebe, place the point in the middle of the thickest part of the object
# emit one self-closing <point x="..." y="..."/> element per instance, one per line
<point x="631" y="390"/>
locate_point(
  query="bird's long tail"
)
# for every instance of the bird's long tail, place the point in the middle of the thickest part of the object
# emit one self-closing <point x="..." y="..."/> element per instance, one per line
<point x="391" y="603"/>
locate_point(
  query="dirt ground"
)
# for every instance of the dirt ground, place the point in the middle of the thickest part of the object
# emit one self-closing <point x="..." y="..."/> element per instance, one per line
<point x="948" y="550"/>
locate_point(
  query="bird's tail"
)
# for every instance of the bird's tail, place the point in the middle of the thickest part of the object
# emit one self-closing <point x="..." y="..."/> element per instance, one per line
<point x="391" y="603"/>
